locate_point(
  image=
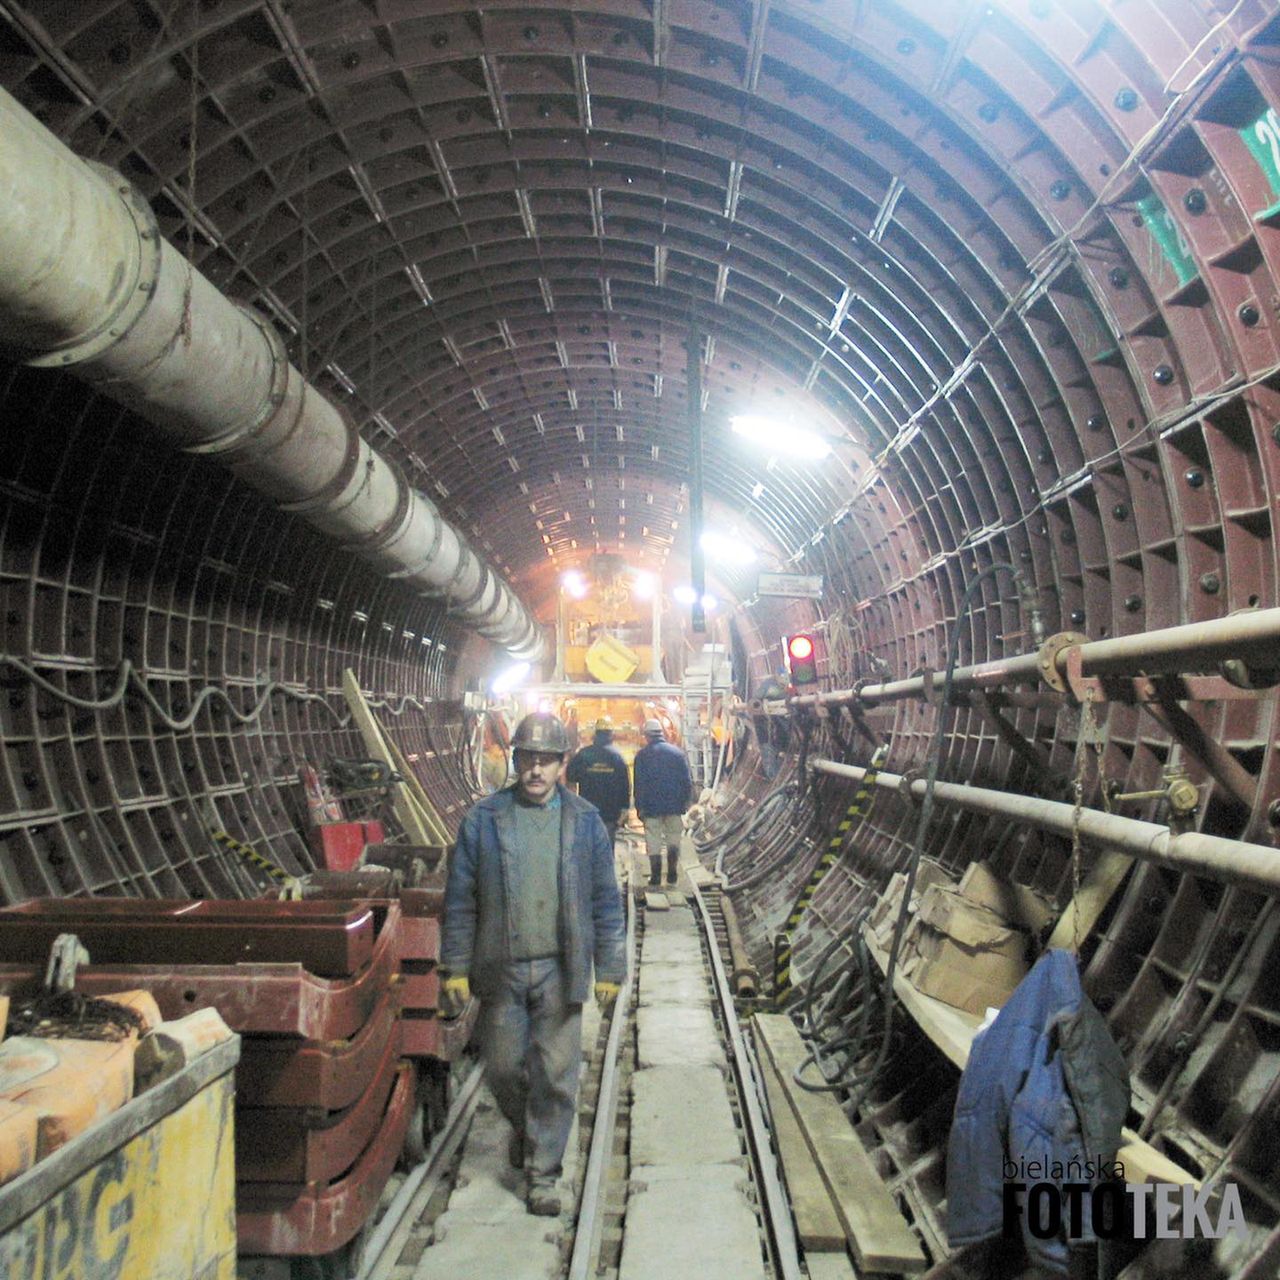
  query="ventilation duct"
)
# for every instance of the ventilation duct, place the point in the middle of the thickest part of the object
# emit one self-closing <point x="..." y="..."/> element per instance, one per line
<point x="87" y="283"/>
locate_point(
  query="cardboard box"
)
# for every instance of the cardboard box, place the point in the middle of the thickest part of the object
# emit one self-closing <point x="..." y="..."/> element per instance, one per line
<point x="962" y="953"/>
<point x="1013" y="902"/>
<point x="885" y="912"/>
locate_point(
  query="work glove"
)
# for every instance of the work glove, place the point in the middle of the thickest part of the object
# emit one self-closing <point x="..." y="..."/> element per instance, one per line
<point x="606" y="994"/>
<point x="454" y="995"/>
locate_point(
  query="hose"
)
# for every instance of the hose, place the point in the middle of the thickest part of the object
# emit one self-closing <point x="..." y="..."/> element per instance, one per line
<point x="922" y="823"/>
<point x="129" y="675"/>
<point x="860" y="1082"/>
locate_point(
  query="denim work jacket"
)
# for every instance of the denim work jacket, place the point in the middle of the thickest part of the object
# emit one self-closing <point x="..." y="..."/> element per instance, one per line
<point x="476" y="938"/>
<point x="1044" y="1083"/>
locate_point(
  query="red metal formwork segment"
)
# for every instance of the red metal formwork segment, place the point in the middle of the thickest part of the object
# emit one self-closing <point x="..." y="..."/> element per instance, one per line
<point x="423" y="1032"/>
<point x="334" y="940"/>
<point x="329" y="1074"/>
<point x="300" y="1143"/>
<point x="279" y="999"/>
<point x="283" y="1219"/>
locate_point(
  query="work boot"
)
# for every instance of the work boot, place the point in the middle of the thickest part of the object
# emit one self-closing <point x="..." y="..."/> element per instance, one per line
<point x="543" y="1198"/>
<point x="515" y="1149"/>
<point x="655" y="871"/>
<point x="673" y="866"/>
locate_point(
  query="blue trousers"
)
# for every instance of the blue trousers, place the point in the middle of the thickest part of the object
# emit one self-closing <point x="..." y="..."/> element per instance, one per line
<point x="531" y="1040"/>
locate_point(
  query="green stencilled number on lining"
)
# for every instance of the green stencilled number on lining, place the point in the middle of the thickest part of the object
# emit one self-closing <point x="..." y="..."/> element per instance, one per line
<point x="1164" y="231"/>
<point x="1262" y="137"/>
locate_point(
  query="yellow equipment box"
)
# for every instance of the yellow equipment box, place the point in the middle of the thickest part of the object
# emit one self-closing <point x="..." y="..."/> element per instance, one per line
<point x="148" y="1193"/>
<point x="611" y="661"/>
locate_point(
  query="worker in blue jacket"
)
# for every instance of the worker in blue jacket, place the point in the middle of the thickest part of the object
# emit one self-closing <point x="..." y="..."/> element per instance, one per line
<point x="664" y="787"/>
<point x="531" y="905"/>
<point x="600" y="774"/>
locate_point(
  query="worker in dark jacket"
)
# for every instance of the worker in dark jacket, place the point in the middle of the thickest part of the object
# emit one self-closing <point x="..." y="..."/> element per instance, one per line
<point x="531" y="904"/>
<point x="664" y="787"/>
<point x="600" y="774"/>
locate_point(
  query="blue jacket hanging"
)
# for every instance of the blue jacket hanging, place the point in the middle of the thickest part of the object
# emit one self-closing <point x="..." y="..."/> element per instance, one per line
<point x="1044" y="1083"/>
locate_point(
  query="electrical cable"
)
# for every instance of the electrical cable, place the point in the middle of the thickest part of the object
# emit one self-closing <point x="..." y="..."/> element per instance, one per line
<point x="128" y="674"/>
<point x="761" y="831"/>
<point x="922" y="825"/>
<point x="820" y="1049"/>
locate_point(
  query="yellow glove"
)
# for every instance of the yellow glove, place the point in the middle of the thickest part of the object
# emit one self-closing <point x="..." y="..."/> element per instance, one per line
<point x="606" y="994"/>
<point x="454" y="995"/>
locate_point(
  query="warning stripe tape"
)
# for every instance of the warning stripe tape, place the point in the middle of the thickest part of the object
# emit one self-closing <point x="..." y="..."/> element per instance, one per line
<point x="858" y="809"/>
<point x="251" y="855"/>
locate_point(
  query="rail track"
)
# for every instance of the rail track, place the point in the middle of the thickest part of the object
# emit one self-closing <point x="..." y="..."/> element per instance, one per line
<point x="592" y="1239"/>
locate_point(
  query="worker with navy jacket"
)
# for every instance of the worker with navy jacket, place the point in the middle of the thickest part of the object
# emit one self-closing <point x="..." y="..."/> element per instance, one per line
<point x="531" y="907"/>
<point x="664" y="787"/>
<point x="600" y="774"/>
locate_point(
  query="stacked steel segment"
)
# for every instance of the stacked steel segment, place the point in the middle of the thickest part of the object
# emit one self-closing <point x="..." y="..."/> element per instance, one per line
<point x="319" y="989"/>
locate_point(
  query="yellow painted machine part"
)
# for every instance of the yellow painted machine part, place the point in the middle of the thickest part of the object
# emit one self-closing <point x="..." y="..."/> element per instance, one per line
<point x="612" y="662"/>
<point x="160" y="1207"/>
<point x="576" y="666"/>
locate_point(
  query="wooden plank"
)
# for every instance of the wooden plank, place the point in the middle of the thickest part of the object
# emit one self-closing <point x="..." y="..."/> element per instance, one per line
<point x="416" y="790"/>
<point x="1096" y="891"/>
<point x="830" y="1266"/>
<point x="817" y="1223"/>
<point x="953" y="1031"/>
<point x="405" y="812"/>
<point x="876" y="1231"/>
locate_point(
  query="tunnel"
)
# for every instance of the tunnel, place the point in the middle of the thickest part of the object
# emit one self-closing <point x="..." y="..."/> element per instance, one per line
<point x="333" y="334"/>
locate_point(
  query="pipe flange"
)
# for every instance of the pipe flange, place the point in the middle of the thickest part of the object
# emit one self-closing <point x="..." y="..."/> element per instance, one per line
<point x="373" y="542"/>
<point x="437" y="536"/>
<point x="445" y="593"/>
<point x="137" y="294"/>
<point x="929" y="687"/>
<point x="1047" y="659"/>
<point x="243" y="433"/>
<point x="486" y="576"/>
<point x="909" y="777"/>
<point x="337" y="484"/>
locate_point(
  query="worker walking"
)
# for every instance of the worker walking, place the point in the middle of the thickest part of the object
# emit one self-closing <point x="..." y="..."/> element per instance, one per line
<point x="664" y="787"/>
<point x="531" y="903"/>
<point x="600" y="774"/>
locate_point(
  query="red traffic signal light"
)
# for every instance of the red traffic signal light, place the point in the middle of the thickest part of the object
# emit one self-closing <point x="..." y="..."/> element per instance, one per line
<point x="802" y="660"/>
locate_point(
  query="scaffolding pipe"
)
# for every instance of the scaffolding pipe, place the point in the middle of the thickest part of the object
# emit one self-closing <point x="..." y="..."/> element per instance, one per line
<point x="88" y="284"/>
<point x="1252" y="637"/>
<point x="1255" y="866"/>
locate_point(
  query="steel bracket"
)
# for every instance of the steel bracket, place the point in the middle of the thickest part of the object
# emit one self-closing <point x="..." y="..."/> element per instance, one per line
<point x="1141" y="690"/>
<point x="930" y="691"/>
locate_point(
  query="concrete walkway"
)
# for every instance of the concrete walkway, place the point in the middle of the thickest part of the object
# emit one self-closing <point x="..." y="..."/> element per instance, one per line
<point x="486" y="1231"/>
<point x="687" y="1211"/>
<point x="486" y="1223"/>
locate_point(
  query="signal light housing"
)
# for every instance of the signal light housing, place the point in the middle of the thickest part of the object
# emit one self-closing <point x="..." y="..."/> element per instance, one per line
<point x="802" y="660"/>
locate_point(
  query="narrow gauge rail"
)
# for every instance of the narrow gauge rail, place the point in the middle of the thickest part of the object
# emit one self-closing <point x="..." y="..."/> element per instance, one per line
<point x="588" y="1246"/>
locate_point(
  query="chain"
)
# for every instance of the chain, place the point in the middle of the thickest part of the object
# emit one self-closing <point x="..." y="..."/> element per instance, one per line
<point x="1086" y="735"/>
